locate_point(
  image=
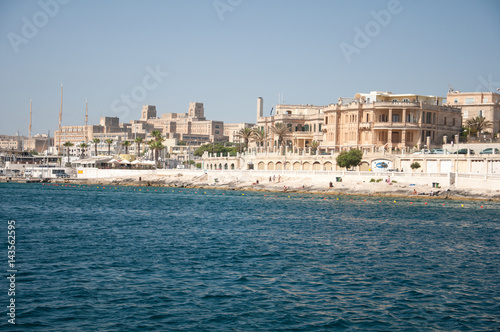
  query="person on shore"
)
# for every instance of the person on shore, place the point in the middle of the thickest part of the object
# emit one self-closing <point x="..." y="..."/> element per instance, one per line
<point x="331" y="184"/>
<point x="270" y="179"/>
<point x="279" y="178"/>
<point x="285" y="188"/>
<point x="415" y="192"/>
<point x="274" y="178"/>
<point x="257" y="181"/>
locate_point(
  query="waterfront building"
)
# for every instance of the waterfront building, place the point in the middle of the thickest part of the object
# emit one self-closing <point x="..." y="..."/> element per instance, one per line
<point x="385" y="121"/>
<point x="474" y="104"/>
<point x="304" y="122"/>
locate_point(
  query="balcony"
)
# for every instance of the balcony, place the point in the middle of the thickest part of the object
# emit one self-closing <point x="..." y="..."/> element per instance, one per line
<point x="365" y="125"/>
<point x="395" y="125"/>
<point x="389" y="104"/>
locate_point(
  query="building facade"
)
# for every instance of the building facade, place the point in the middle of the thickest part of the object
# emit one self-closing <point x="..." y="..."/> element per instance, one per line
<point x="386" y="121"/>
<point x="304" y="122"/>
<point x="474" y="104"/>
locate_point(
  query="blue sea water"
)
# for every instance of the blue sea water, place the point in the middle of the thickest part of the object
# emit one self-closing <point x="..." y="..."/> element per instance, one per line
<point x="145" y="258"/>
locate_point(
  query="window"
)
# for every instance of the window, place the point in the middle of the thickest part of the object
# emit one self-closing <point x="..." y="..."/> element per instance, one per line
<point x="216" y="132"/>
<point x="395" y="101"/>
<point x="445" y="121"/>
<point x="367" y="117"/>
<point x="485" y="100"/>
<point x="469" y="100"/>
<point x="480" y="113"/>
<point x="455" y="101"/>
<point x="395" y="118"/>
<point x="326" y="120"/>
<point x="406" y="100"/>
<point x="453" y="121"/>
<point x="319" y="127"/>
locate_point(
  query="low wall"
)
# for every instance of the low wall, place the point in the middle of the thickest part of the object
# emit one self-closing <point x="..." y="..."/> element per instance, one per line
<point x="480" y="181"/>
<point x="98" y="173"/>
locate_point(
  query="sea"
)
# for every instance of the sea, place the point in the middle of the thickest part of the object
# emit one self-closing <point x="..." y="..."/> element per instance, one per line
<point x="124" y="258"/>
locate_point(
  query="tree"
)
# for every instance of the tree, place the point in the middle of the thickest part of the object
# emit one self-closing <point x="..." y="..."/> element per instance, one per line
<point x="350" y="158"/>
<point x="156" y="145"/>
<point x="126" y="144"/>
<point x="156" y="135"/>
<point x="415" y="165"/>
<point x="246" y="134"/>
<point x="260" y="136"/>
<point x="138" y="141"/>
<point x="95" y="141"/>
<point x="282" y="131"/>
<point x="109" y="141"/>
<point x="314" y="146"/>
<point x="215" y="148"/>
<point x="83" y="147"/>
<point x="478" y="124"/>
<point x="68" y="144"/>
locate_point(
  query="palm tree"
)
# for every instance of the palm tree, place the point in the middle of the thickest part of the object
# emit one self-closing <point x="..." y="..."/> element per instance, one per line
<point x="138" y="141"/>
<point x="68" y="144"/>
<point x="282" y="131"/>
<point x="478" y="124"/>
<point x="156" y="134"/>
<point x="260" y="136"/>
<point x="95" y="141"/>
<point x="156" y="145"/>
<point x="314" y="146"/>
<point x="246" y="134"/>
<point x="109" y="141"/>
<point x="83" y="147"/>
<point x="126" y="144"/>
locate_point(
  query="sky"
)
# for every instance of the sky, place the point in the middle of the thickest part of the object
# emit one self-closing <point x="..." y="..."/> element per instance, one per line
<point x="120" y="55"/>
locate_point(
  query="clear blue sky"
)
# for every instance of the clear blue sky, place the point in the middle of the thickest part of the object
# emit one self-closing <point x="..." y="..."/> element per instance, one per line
<point x="226" y="53"/>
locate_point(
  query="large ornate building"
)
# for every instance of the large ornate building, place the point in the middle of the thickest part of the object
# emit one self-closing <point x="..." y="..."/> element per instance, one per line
<point x="383" y="120"/>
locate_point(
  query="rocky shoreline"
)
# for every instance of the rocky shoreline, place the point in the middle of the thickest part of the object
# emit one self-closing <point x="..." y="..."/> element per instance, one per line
<point x="293" y="185"/>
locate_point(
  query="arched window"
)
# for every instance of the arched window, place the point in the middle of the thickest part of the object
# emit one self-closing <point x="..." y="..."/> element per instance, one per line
<point x="406" y="100"/>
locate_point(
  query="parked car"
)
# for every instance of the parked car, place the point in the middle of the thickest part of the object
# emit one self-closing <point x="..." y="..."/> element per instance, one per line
<point x="464" y="151"/>
<point x="490" y="151"/>
<point x="439" y="151"/>
<point x="424" y="151"/>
